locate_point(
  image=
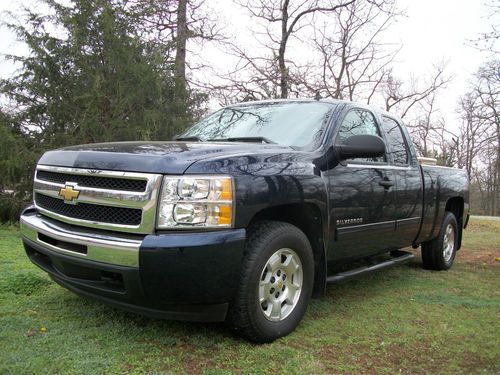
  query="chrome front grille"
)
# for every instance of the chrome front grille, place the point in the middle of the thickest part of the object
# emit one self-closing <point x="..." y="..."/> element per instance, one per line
<point x="109" y="183"/>
<point x="121" y="201"/>
<point x="91" y="212"/>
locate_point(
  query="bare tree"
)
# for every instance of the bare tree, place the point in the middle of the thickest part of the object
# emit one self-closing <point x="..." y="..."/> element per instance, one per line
<point x="424" y="128"/>
<point x="177" y="30"/>
<point x="180" y="48"/>
<point x="487" y="89"/>
<point x="446" y="142"/>
<point x="173" y="24"/>
<point x="252" y="78"/>
<point x="478" y="143"/>
<point x="268" y="74"/>
<point x="430" y="133"/>
<point x="487" y="41"/>
<point x="471" y="131"/>
<point x="401" y="97"/>
<point x="353" y="59"/>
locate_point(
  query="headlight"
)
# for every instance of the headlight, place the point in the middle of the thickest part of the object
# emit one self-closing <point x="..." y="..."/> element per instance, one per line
<point x="203" y="201"/>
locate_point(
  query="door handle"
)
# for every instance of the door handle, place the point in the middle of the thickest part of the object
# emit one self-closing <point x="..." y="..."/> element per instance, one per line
<point x="386" y="183"/>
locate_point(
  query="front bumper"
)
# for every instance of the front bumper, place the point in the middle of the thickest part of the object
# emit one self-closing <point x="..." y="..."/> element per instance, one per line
<point x="181" y="276"/>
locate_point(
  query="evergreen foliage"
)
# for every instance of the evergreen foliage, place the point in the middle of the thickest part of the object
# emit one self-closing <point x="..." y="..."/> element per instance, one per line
<point x="88" y="77"/>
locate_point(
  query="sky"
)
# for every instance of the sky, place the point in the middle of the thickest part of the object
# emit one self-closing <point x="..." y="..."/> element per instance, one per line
<point x="438" y="30"/>
<point x="430" y="32"/>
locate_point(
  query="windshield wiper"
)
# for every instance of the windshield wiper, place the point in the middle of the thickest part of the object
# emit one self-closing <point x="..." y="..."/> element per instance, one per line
<point x="244" y="139"/>
<point x="194" y="138"/>
<point x="188" y="139"/>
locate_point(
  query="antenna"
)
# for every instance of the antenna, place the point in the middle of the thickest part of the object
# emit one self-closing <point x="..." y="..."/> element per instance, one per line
<point x="317" y="96"/>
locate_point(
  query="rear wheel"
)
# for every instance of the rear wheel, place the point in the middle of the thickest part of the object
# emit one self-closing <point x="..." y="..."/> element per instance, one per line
<point x="276" y="282"/>
<point x="439" y="253"/>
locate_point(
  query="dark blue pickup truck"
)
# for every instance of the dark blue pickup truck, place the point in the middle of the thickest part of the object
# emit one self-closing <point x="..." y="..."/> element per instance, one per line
<point x="245" y="216"/>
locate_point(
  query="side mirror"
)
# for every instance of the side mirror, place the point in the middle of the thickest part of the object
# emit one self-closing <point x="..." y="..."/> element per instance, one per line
<point x="361" y="146"/>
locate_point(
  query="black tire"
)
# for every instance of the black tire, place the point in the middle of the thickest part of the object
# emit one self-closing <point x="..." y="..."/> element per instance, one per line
<point x="246" y="315"/>
<point x="433" y="254"/>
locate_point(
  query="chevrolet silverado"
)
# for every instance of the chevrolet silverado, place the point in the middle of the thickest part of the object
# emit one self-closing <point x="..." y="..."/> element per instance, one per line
<point x="244" y="217"/>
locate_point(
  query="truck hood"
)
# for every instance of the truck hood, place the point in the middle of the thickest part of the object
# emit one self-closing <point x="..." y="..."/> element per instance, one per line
<point x="151" y="157"/>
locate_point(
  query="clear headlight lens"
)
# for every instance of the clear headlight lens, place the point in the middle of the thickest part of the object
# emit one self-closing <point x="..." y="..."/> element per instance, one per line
<point x="196" y="202"/>
<point x="193" y="188"/>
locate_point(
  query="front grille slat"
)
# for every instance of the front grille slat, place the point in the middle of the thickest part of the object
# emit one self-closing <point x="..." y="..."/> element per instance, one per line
<point x="90" y="212"/>
<point x="122" y="184"/>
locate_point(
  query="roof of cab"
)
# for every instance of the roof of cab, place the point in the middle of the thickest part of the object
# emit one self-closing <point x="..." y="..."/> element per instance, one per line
<point x="376" y="109"/>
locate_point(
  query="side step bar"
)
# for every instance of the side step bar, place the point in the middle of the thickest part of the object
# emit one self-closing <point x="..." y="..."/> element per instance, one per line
<point x="402" y="257"/>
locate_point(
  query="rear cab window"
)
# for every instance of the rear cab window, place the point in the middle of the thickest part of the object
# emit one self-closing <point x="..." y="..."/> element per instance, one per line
<point x="397" y="148"/>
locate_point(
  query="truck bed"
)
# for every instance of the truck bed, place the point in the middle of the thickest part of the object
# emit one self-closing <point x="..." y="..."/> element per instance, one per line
<point x="440" y="184"/>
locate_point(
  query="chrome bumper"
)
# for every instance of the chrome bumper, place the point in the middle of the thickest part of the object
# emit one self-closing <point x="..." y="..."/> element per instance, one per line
<point x="103" y="247"/>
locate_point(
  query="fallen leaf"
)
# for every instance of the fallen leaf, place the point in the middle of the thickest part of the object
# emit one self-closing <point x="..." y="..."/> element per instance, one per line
<point x="31" y="333"/>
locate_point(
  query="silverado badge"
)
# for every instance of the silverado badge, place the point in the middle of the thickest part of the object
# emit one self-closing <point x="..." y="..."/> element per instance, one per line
<point x="356" y="220"/>
<point x="69" y="193"/>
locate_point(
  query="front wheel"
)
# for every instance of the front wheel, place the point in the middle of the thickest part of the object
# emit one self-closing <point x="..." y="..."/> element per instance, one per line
<point x="276" y="282"/>
<point x="439" y="253"/>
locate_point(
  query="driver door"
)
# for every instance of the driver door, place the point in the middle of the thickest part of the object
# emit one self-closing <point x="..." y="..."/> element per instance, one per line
<point x="361" y="195"/>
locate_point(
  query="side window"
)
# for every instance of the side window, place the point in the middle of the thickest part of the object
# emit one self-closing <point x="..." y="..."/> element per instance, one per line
<point x="396" y="140"/>
<point x="356" y="122"/>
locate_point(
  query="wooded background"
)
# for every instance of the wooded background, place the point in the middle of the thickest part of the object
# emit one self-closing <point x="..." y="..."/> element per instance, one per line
<point x="118" y="70"/>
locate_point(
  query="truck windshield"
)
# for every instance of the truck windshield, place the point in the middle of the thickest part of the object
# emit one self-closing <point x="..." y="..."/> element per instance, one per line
<point x="296" y="124"/>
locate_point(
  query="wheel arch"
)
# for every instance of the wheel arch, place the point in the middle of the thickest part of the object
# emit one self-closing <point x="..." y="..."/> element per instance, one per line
<point x="455" y="205"/>
<point x="307" y="217"/>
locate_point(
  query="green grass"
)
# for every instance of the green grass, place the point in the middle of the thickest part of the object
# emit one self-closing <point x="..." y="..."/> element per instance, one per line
<point x="402" y="320"/>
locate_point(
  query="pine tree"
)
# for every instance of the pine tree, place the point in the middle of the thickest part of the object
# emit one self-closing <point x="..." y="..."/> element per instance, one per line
<point x="89" y="77"/>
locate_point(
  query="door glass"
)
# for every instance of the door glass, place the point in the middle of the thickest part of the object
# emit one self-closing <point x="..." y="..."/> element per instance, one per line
<point x="356" y="122"/>
<point x="396" y="141"/>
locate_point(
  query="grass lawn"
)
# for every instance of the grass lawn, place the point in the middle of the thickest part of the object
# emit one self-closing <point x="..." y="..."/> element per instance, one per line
<point x="402" y="320"/>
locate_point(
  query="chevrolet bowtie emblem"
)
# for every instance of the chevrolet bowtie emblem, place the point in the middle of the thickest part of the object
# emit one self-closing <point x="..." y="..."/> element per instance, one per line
<point x="69" y="193"/>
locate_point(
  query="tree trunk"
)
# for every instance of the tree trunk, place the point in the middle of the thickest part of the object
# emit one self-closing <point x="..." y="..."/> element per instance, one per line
<point x="281" y="52"/>
<point x="283" y="73"/>
<point x="180" y="45"/>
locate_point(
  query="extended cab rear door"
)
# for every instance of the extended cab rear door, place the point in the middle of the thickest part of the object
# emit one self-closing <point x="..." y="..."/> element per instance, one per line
<point x="407" y="175"/>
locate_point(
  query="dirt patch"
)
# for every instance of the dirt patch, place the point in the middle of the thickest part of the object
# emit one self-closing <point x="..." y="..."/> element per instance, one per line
<point x="479" y="257"/>
<point x="193" y="360"/>
<point x="419" y="357"/>
<point x="471" y="362"/>
<point x="196" y="361"/>
<point x="490" y="257"/>
<point x="372" y="361"/>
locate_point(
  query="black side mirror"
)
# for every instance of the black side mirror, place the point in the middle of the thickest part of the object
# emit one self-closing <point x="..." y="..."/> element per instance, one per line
<point x="361" y="146"/>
